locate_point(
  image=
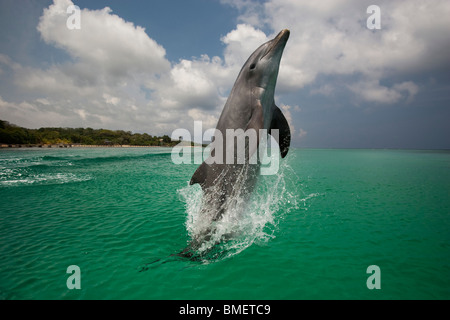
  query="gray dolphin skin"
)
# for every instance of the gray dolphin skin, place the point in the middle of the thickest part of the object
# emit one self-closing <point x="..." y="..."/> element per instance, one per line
<point x="250" y="105"/>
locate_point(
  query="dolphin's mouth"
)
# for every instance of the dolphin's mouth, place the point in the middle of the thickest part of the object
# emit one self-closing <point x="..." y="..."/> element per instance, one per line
<point x="279" y="40"/>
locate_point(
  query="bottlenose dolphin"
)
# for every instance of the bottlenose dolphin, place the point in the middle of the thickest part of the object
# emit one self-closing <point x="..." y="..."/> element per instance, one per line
<point x="250" y="106"/>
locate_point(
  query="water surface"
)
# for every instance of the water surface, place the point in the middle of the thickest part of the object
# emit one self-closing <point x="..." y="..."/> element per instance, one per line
<point x="314" y="228"/>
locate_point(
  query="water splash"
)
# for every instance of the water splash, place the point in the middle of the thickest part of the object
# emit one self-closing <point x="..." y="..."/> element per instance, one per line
<point x="246" y="220"/>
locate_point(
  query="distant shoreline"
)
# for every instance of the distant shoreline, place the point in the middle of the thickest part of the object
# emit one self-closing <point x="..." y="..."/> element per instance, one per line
<point x="62" y="146"/>
<point x="56" y="146"/>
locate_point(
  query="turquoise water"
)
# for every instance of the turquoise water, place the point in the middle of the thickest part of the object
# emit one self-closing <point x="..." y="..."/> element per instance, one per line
<point x="312" y="230"/>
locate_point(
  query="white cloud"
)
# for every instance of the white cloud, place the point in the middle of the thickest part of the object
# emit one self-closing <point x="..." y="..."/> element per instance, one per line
<point x="192" y="84"/>
<point x="240" y="44"/>
<point x="372" y="91"/>
<point x="208" y="120"/>
<point x="253" y="10"/>
<point x="105" y="42"/>
<point x="111" y="99"/>
<point x="203" y="83"/>
<point x="409" y="87"/>
<point x="116" y="63"/>
<point x="325" y="90"/>
<point x="331" y="38"/>
<point x="302" y="133"/>
<point x="28" y="114"/>
<point x="288" y="116"/>
<point x="104" y="83"/>
<point x="43" y="101"/>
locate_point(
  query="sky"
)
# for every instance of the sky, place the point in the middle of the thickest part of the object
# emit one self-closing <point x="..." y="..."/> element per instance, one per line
<point x="156" y="66"/>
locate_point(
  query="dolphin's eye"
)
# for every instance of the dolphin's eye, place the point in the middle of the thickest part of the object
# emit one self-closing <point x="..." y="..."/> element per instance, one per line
<point x="252" y="66"/>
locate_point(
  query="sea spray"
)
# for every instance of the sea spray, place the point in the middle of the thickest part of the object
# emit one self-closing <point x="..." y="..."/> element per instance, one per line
<point x="246" y="221"/>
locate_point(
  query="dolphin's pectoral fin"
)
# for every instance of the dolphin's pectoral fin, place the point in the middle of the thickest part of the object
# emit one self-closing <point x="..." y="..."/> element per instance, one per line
<point x="279" y="122"/>
<point x="199" y="175"/>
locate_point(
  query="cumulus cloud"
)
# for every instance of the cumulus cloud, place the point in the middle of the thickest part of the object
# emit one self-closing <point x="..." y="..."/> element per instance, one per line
<point x="331" y="38"/>
<point x="119" y="77"/>
<point x="200" y="86"/>
<point x="102" y="84"/>
<point x="372" y="91"/>
<point x="106" y="42"/>
<point x="29" y="113"/>
<point x="190" y="84"/>
<point x="241" y="42"/>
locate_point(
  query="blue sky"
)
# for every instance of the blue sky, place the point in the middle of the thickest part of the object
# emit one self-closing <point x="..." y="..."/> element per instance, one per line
<point x="155" y="66"/>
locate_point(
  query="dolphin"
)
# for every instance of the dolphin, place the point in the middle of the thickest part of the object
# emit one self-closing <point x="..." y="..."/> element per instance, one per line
<point x="250" y="106"/>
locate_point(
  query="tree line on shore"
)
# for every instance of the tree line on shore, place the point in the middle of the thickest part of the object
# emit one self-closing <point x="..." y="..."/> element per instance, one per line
<point x="12" y="134"/>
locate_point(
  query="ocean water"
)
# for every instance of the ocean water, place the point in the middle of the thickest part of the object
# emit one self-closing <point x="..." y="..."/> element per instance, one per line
<point x="310" y="232"/>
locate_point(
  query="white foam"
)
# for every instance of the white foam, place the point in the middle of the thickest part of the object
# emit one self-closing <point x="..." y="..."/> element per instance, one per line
<point x="57" y="178"/>
<point x="245" y="221"/>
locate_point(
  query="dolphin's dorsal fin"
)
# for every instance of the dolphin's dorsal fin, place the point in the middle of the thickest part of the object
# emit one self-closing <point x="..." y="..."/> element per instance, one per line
<point x="199" y="175"/>
<point x="279" y="122"/>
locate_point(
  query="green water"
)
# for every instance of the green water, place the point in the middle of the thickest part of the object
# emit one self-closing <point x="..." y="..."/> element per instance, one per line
<point x="119" y="214"/>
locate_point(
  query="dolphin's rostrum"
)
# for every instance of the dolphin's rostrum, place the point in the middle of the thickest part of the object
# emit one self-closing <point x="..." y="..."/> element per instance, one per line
<point x="250" y="106"/>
